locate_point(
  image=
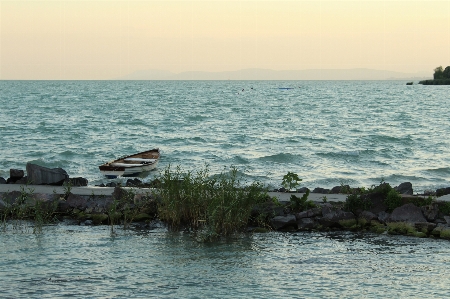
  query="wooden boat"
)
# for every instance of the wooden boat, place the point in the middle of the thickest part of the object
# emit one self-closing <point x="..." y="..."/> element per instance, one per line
<point x="131" y="165"/>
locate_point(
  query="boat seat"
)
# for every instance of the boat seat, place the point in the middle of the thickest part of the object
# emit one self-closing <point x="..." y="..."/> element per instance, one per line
<point x="125" y="164"/>
<point x="139" y="160"/>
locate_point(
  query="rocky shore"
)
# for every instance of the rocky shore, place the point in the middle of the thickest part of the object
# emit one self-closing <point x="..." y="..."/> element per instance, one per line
<point x="380" y="209"/>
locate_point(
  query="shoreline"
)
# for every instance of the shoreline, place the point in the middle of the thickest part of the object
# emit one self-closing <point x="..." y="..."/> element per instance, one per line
<point x="108" y="191"/>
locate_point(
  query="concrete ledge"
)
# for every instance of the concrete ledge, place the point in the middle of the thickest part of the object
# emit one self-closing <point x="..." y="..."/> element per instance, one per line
<point x="93" y="190"/>
<point x="45" y="189"/>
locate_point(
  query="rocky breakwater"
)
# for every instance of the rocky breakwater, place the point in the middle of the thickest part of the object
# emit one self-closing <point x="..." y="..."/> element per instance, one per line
<point x="380" y="209"/>
<point x="39" y="175"/>
<point x="123" y="206"/>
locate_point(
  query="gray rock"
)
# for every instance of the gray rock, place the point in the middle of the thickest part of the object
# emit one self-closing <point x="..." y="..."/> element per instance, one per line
<point x="407" y="213"/>
<point x="447" y="219"/>
<point x="306" y="223"/>
<point x="431" y="212"/>
<point x="327" y="208"/>
<point x="367" y="215"/>
<point x="321" y="190"/>
<point x="332" y="218"/>
<point x="2" y="180"/>
<point x="39" y="175"/>
<point x="309" y="213"/>
<point x="404" y="188"/>
<point x="76" y="201"/>
<point x="76" y="182"/>
<point x="282" y="222"/>
<point x="302" y="190"/>
<point x="22" y="181"/>
<point x="383" y="217"/>
<point x="425" y="227"/>
<point x="16" y="174"/>
<point x="442" y="191"/>
<point x="335" y="190"/>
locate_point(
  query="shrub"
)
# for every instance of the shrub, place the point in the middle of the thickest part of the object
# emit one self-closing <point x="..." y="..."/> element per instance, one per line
<point x="290" y="181"/>
<point x="393" y="200"/>
<point x="301" y="203"/>
<point x="355" y="202"/>
<point x="444" y="207"/>
<point x="212" y="206"/>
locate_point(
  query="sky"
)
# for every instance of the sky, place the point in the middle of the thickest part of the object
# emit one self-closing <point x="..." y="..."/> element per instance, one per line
<point x="101" y="40"/>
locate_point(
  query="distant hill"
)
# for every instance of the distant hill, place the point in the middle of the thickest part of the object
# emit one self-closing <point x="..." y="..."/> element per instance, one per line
<point x="266" y="74"/>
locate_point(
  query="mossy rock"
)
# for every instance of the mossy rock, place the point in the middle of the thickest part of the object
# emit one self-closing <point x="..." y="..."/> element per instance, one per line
<point x="348" y="223"/>
<point x="378" y="229"/>
<point x="82" y="216"/>
<point x="436" y="232"/>
<point x="445" y="233"/>
<point x="142" y="217"/>
<point x="99" y="218"/>
<point x="401" y="228"/>
<point x="420" y="235"/>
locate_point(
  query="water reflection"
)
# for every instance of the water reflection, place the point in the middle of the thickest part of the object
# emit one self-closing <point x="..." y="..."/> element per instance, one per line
<point x="87" y="262"/>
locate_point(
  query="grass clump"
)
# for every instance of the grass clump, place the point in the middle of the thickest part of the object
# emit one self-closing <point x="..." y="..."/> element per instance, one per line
<point x="401" y="228"/>
<point x="212" y="206"/>
<point x="301" y="203"/>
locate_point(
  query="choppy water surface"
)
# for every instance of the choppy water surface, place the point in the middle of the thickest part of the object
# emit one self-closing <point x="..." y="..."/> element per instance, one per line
<point x="86" y="262"/>
<point x="352" y="132"/>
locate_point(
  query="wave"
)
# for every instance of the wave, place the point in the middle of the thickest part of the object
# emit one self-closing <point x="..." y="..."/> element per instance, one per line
<point x="342" y="154"/>
<point x="281" y="158"/>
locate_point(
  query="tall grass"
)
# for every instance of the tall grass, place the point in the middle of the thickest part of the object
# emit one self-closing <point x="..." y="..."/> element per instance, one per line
<point x="219" y="205"/>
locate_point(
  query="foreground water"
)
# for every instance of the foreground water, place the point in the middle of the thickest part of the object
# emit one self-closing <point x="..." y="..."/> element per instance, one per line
<point x="88" y="262"/>
<point x="329" y="132"/>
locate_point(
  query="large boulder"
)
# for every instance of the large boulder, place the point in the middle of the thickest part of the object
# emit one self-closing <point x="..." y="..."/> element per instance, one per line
<point x="309" y="213"/>
<point x="76" y="182"/>
<point x="431" y="212"/>
<point x="404" y="188"/>
<point x="407" y="213"/>
<point x="442" y="191"/>
<point x="39" y="175"/>
<point x="321" y="190"/>
<point x="15" y="174"/>
<point x="334" y="218"/>
<point x="283" y="222"/>
<point x="306" y="223"/>
<point x="368" y="216"/>
<point x="2" y="180"/>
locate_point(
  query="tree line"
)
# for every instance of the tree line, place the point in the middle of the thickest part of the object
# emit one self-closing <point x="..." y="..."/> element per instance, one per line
<point x="440" y="73"/>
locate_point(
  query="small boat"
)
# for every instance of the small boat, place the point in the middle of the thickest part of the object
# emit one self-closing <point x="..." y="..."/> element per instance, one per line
<point x="131" y="165"/>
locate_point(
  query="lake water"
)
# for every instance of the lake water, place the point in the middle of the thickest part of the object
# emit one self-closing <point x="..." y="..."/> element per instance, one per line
<point x="87" y="262"/>
<point x="328" y="132"/>
<point x="348" y="132"/>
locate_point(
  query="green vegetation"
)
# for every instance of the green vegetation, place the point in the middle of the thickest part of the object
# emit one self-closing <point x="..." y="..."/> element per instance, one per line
<point x="444" y="208"/>
<point x="393" y="200"/>
<point x="299" y="204"/>
<point x="27" y="206"/>
<point x="440" y="77"/>
<point x="356" y="202"/>
<point x="290" y="181"/>
<point x="210" y="206"/>
<point x="401" y="228"/>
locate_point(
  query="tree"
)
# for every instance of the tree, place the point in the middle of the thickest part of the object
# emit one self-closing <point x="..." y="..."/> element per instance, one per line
<point x="446" y="73"/>
<point x="438" y="73"/>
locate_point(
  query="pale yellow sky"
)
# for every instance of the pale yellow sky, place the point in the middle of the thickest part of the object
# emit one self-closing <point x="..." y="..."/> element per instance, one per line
<point x="79" y="39"/>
